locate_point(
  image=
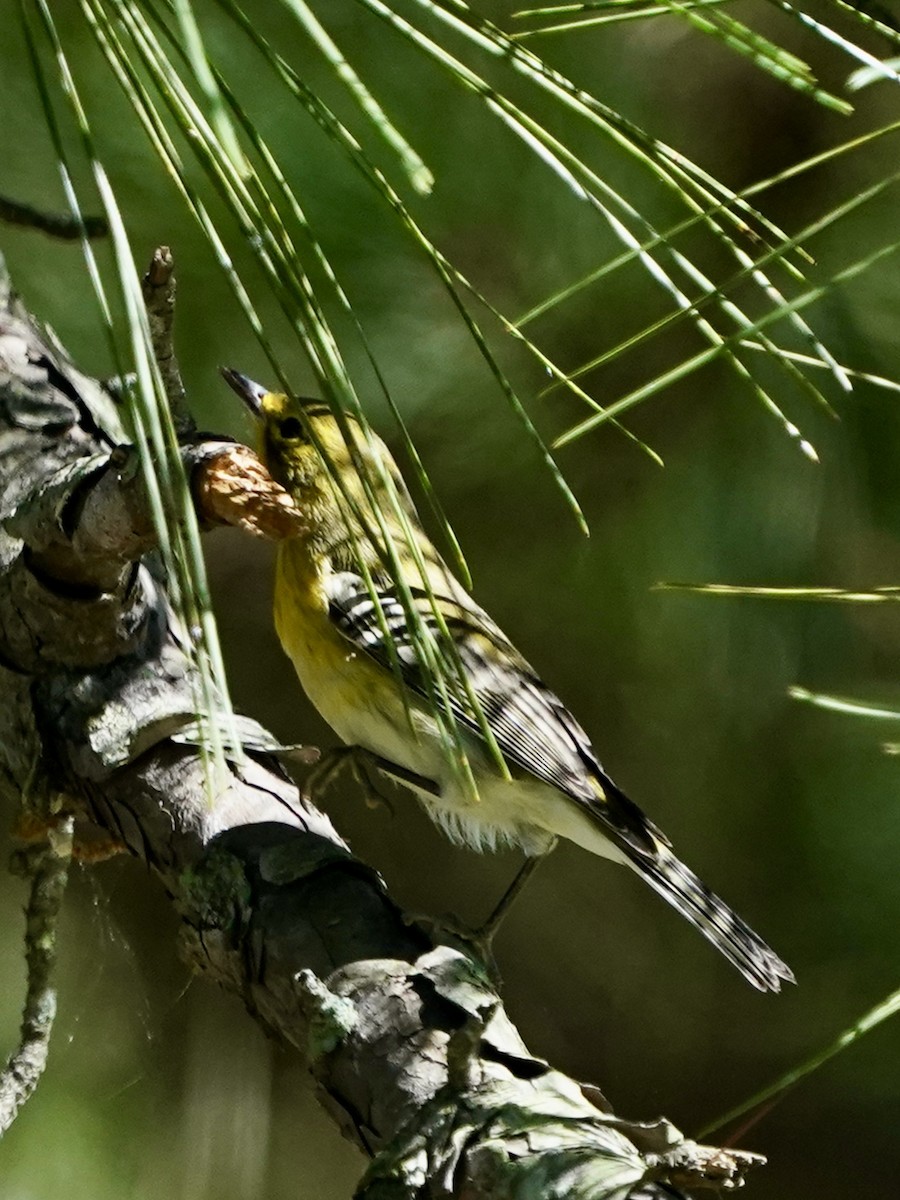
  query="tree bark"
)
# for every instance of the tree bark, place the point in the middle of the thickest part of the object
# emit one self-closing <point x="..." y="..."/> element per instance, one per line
<point x="408" y="1041"/>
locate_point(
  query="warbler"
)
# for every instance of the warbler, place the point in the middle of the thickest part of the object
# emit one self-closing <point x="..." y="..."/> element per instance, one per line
<point x="333" y="631"/>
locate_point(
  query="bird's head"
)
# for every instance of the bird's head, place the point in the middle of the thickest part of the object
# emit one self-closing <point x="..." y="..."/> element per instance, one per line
<point x="309" y="453"/>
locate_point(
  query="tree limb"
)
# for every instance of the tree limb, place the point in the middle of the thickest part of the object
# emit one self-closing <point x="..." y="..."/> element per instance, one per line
<point x="47" y="866"/>
<point x="158" y="288"/>
<point x="56" y="225"/>
<point x="408" y="1041"/>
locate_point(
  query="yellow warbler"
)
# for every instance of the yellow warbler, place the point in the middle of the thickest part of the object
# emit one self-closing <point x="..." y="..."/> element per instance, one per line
<point x="343" y="621"/>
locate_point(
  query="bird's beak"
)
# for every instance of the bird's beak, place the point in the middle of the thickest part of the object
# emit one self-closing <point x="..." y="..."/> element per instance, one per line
<point x="251" y="393"/>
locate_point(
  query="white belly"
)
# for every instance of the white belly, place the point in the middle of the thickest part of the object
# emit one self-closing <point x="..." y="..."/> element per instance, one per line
<point x="523" y="811"/>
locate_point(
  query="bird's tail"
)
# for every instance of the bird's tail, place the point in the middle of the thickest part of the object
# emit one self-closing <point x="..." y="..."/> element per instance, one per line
<point x="730" y="935"/>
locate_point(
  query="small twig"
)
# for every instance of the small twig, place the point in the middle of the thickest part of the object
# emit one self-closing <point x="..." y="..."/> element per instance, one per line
<point x="48" y="867"/>
<point x="59" y="225"/>
<point x="158" y="286"/>
<point x="689" y="1165"/>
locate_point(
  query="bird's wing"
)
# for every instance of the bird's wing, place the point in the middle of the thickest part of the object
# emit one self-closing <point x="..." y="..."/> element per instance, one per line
<point x="538" y="735"/>
<point x="532" y="727"/>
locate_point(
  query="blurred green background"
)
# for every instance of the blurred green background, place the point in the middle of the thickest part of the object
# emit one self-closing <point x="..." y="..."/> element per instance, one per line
<point x="160" y="1086"/>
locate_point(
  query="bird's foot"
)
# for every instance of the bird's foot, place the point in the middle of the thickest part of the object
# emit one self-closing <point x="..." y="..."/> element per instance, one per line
<point x="362" y="764"/>
<point x="480" y="939"/>
<point x="451" y="930"/>
<point x="333" y="763"/>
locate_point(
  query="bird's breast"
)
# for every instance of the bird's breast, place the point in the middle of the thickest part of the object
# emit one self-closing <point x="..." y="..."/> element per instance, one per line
<point x="359" y="699"/>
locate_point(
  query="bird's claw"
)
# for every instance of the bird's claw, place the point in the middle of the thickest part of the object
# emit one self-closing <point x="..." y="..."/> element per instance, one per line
<point x="355" y="759"/>
<point x="449" y="929"/>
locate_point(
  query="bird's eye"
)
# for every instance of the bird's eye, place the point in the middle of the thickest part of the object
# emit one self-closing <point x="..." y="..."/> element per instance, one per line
<point x="290" y="428"/>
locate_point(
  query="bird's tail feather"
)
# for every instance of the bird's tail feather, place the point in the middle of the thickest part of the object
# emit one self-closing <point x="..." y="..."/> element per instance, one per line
<point x="718" y="923"/>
